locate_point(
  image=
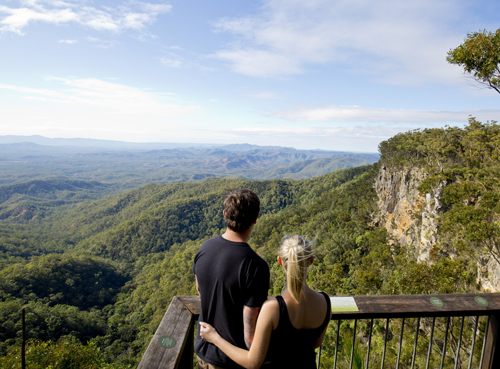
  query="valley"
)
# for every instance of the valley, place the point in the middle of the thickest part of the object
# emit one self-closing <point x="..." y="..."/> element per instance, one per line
<point x="96" y="263"/>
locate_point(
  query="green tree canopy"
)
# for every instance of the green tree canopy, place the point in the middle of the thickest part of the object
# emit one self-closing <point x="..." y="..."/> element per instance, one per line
<point x="480" y="57"/>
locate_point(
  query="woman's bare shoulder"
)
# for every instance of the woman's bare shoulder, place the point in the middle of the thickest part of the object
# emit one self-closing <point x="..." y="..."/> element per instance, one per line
<point x="270" y="304"/>
<point x="270" y="310"/>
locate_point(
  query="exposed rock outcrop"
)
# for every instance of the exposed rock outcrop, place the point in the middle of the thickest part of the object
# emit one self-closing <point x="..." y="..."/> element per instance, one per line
<point x="411" y="218"/>
<point x="408" y="216"/>
<point x="488" y="274"/>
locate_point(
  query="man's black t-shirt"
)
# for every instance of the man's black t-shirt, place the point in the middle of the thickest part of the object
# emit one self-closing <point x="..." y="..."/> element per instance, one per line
<point x="230" y="275"/>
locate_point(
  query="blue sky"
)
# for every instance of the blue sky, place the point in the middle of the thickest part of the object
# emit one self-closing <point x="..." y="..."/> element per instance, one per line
<point x="328" y="74"/>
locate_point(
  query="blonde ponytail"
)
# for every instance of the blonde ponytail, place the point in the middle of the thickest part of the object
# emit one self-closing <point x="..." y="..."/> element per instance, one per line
<point x="295" y="253"/>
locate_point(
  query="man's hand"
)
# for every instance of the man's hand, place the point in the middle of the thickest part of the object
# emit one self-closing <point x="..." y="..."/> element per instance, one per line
<point x="249" y="321"/>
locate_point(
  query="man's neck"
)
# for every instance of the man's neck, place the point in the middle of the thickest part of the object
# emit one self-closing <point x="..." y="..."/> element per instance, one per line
<point x="233" y="236"/>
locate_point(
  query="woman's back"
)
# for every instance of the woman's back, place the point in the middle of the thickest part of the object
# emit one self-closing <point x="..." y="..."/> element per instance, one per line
<point x="300" y="329"/>
<point x="309" y="313"/>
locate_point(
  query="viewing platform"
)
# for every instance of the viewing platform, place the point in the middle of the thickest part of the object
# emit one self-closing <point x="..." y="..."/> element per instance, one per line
<point x="399" y="331"/>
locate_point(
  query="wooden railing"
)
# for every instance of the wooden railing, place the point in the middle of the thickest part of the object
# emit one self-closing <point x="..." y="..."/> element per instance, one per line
<point x="172" y="344"/>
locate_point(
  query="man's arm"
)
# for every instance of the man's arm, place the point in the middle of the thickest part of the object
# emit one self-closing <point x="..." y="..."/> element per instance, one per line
<point x="250" y="315"/>
<point x="254" y="357"/>
<point x="197" y="285"/>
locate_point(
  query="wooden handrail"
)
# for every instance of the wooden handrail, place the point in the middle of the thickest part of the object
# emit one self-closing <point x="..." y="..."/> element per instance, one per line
<point x="172" y="345"/>
<point x="404" y="306"/>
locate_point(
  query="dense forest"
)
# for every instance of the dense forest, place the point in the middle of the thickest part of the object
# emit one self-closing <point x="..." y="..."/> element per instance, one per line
<point x="96" y="274"/>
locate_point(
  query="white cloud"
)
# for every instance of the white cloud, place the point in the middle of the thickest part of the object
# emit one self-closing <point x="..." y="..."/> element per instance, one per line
<point x="96" y="109"/>
<point x="105" y="44"/>
<point x="111" y="97"/>
<point x="361" y="114"/>
<point x="401" y="42"/>
<point x="68" y="41"/>
<point x="17" y="19"/>
<point x="379" y="131"/>
<point x="133" y="15"/>
<point x="155" y="8"/>
<point x="173" y="61"/>
<point x="260" y="63"/>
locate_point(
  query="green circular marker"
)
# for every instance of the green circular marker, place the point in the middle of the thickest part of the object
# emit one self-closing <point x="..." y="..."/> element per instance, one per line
<point x="167" y="342"/>
<point x="481" y="301"/>
<point x="437" y="302"/>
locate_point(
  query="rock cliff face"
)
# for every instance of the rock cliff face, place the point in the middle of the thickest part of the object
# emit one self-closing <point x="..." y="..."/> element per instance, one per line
<point x="410" y="218"/>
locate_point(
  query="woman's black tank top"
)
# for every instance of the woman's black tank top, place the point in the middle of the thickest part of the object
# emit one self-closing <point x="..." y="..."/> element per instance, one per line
<point x="291" y="347"/>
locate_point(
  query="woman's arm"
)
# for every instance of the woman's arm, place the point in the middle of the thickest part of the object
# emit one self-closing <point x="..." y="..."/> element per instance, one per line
<point x="266" y="323"/>
<point x="320" y="339"/>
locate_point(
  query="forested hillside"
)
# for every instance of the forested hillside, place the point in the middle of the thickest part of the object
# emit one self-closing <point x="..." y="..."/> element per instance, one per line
<point x="143" y="242"/>
<point x="97" y="276"/>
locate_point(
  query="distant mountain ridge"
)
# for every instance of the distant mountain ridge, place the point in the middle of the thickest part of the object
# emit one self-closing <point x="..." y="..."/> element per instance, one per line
<point x="89" y="142"/>
<point x="147" y="146"/>
<point x="120" y="145"/>
<point x="139" y="164"/>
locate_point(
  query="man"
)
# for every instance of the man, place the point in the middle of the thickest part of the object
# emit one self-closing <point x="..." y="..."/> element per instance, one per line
<point x="232" y="280"/>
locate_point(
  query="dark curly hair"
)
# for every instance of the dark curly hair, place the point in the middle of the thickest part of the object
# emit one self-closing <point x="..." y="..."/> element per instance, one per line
<point x="242" y="209"/>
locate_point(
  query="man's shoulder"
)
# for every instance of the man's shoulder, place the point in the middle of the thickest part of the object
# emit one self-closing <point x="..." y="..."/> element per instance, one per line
<point x="212" y="240"/>
<point x="239" y="252"/>
<point x="258" y="265"/>
<point x="218" y="247"/>
<point x="259" y="259"/>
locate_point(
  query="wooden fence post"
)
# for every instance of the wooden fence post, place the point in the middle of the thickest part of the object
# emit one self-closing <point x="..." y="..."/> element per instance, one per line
<point x="23" y="348"/>
<point x="170" y="339"/>
<point x="187" y="356"/>
<point x="492" y="347"/>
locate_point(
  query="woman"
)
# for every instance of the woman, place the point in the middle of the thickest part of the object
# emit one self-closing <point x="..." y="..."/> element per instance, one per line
<point x="289" y="326"/>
